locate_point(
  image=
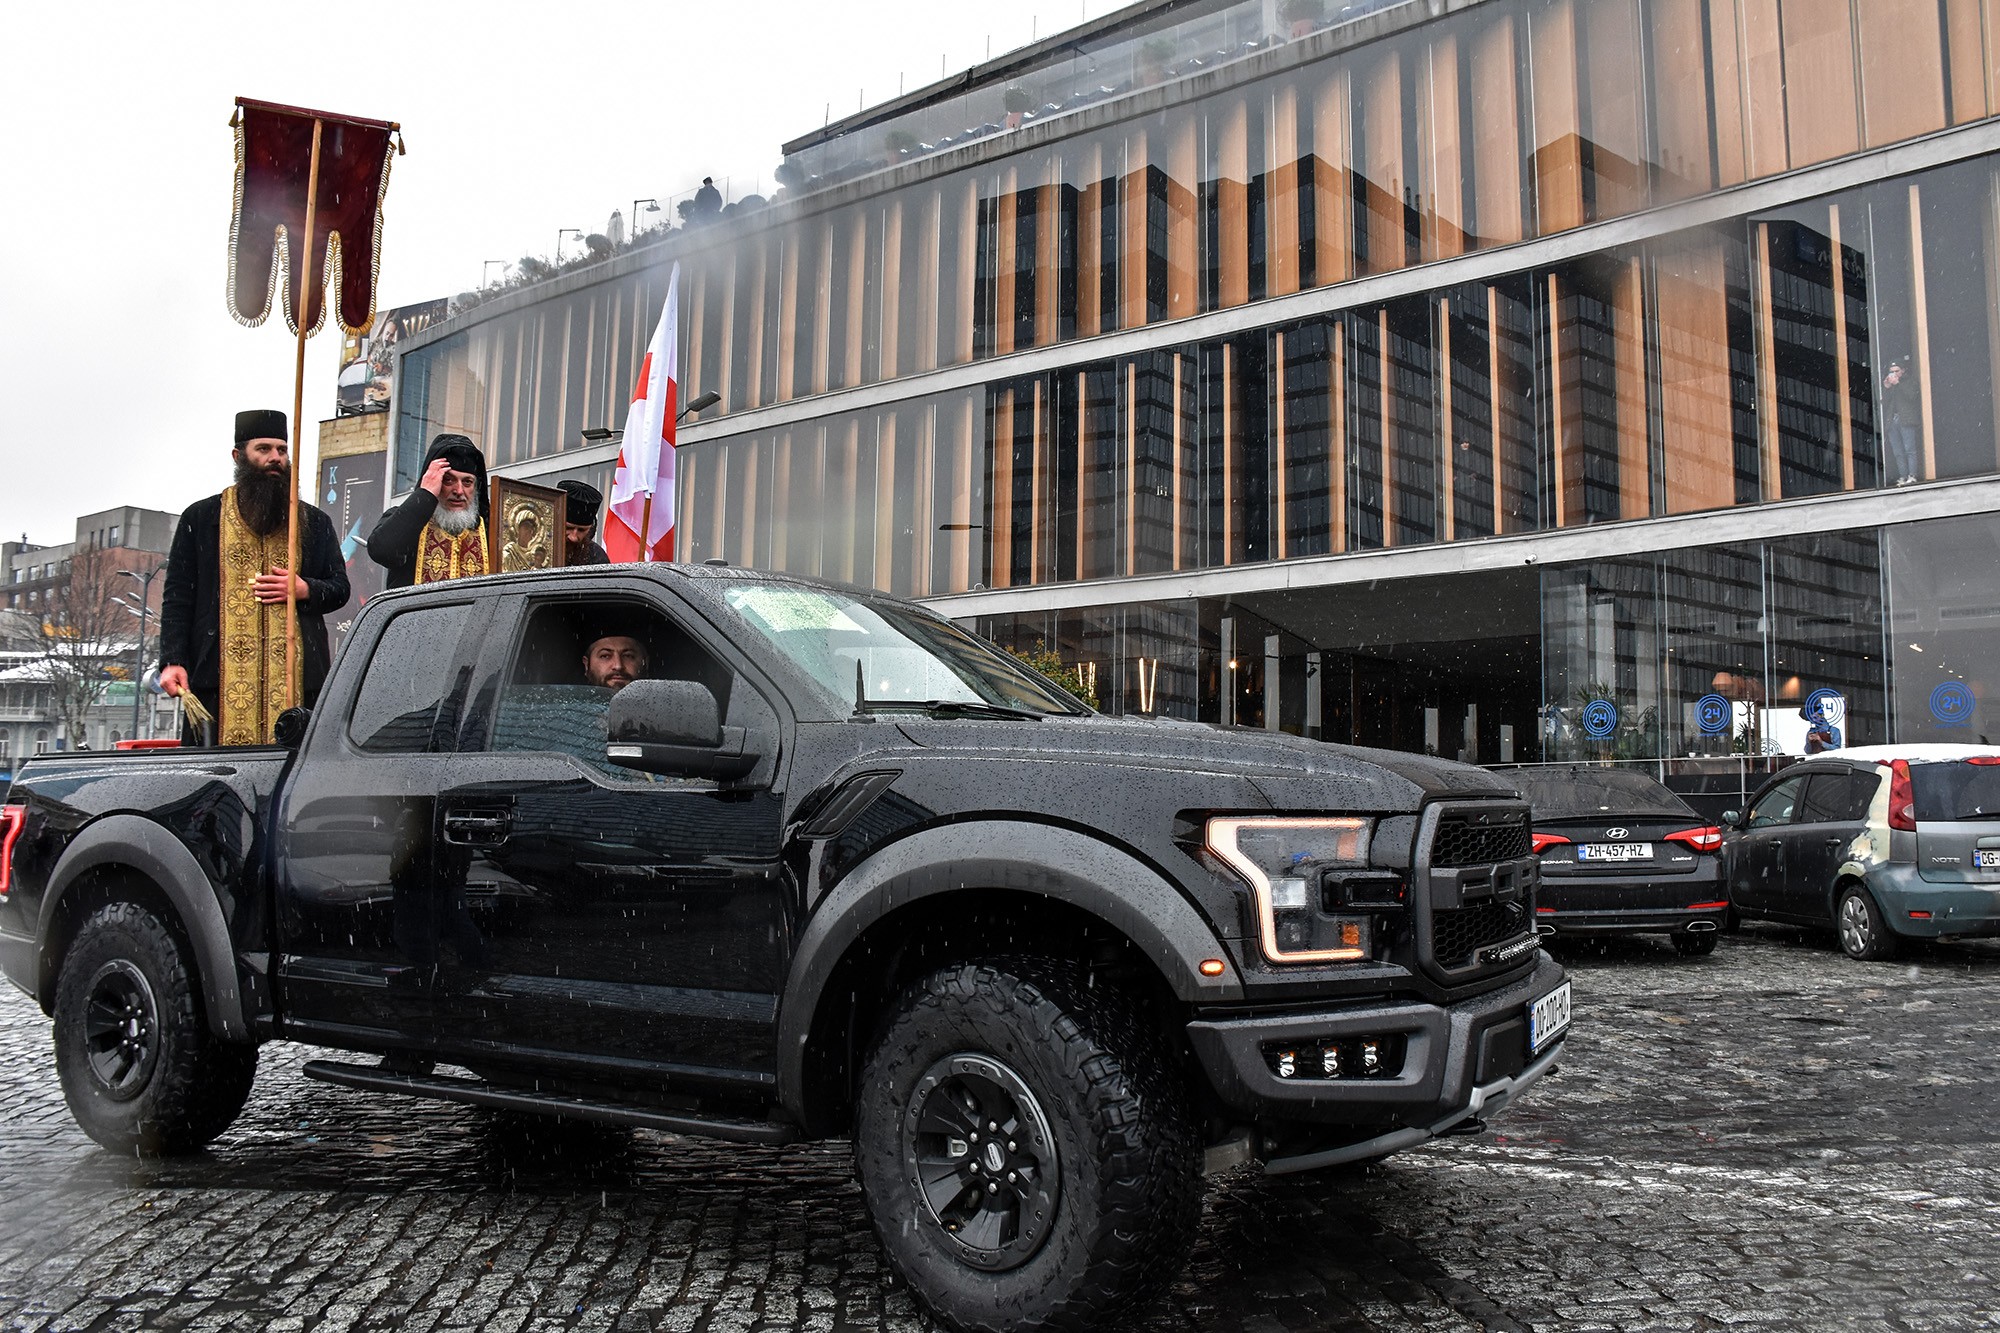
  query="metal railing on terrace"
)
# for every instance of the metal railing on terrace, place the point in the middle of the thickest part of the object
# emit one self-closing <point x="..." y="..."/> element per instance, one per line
<point x="1183" y="41"/>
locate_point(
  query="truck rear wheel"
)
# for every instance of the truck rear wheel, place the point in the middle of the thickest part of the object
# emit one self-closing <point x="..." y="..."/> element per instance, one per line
<point x="139" y="1068"/>
<point x="1025" y="1148"/>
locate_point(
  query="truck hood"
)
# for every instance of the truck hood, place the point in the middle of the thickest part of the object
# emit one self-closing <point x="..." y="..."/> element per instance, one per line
<point x="1290" y="771"/>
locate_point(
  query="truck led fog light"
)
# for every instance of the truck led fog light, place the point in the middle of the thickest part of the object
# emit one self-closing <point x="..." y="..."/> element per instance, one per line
<point x="1371" y="1057"/>
<point x="1288" y="1064"/>
<point x="1329" y="1062"/>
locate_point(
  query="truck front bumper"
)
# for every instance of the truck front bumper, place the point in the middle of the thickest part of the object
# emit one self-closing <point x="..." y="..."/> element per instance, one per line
<point x="1458" y="1063"/>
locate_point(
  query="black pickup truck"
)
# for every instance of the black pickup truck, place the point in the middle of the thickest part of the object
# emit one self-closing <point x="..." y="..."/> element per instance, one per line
<point x="826" y="865"/>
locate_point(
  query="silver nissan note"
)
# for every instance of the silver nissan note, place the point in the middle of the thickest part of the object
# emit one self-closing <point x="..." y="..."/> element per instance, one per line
<point x="1883" y="842"/>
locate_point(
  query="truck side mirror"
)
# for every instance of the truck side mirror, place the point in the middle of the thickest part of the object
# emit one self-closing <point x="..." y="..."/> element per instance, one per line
<point x="1730" y="818"/>
<point x="674" y="727"/>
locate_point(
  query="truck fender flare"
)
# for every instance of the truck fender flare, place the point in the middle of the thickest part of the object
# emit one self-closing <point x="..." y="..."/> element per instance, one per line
<point x="1071" y="867"/>
<point x="135" y="843"/>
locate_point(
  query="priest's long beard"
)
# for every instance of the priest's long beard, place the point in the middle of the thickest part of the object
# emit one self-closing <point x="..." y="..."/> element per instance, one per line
<point x="263" y="496"/>
<point x="455" y="521"/>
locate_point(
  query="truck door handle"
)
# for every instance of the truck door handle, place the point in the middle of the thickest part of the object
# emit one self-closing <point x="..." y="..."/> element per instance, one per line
<point x="1834" y="842"/>
<point x="486" y="829"/>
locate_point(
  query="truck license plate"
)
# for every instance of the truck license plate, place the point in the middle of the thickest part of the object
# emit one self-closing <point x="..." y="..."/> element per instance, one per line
<point x="1615" y="851"/>
<point x="1986" y="860"/>
<point x="1547" y="1018"/>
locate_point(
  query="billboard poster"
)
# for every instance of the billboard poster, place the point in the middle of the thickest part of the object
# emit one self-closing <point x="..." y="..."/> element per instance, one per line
<point x="350" y="491"/>
<point x="368" y="361"/>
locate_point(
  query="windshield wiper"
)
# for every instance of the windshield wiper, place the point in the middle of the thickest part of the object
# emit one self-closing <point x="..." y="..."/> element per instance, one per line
<point x="942" y="707"/>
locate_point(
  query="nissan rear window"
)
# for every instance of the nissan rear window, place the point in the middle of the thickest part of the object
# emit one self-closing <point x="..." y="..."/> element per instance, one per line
<point x="1956" y="790"/>
<point x="1572" y="793"/>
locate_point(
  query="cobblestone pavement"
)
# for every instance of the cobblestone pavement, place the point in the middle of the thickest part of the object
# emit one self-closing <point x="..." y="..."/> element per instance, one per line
<point x="1772" y="1138"/>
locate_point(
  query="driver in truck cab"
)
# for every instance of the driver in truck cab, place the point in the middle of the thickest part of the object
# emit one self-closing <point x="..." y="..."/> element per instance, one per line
<point x="614" y="660"/>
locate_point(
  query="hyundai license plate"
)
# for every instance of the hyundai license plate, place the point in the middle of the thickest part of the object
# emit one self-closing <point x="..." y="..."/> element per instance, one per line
<point x="1986" y="860"/>
<point x="1615" y="851"/>
<point x="1547" y="1018"/>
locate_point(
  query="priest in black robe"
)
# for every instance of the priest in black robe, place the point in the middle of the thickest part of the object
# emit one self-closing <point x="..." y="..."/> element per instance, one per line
<point x="439" y="531"/>
<point x="222" y="635"/>
<point x="580" y="524"/>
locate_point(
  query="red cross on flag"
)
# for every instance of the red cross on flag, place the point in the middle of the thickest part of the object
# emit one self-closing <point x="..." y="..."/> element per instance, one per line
<point x="642" y="491"/>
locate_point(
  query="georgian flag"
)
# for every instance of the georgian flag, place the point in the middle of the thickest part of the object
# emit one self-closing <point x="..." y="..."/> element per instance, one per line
<point x="642" y="491"/>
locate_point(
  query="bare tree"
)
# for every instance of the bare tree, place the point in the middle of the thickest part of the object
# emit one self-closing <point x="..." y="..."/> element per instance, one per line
<point x="82" y="636"/>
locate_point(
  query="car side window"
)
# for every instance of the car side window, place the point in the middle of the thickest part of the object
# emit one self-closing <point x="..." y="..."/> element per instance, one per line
<point x="1839" y="797"/>
<point x="1776" y="805"/>
<point x="409" y="676"/>
<point x="572" y="657"/>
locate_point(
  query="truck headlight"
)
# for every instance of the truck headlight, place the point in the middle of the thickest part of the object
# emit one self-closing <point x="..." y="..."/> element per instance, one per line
<point x="1281" y="859"/>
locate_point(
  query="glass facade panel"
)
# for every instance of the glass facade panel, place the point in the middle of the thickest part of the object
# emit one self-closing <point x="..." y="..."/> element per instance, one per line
<point x="1944" y="629"/>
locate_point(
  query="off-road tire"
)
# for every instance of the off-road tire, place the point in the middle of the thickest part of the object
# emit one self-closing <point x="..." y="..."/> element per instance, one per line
<point x="1128" y="1161"/>
<point x="1688" y="944"/>
<point x="139" y="1067"/>
<point x="1863" y="932"/>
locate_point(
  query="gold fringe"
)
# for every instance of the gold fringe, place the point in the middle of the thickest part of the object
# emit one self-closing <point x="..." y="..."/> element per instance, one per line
<point x="281" y="255"/>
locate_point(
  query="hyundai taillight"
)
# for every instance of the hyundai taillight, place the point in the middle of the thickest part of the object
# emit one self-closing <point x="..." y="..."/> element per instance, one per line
<point x="1701" y="839"/>
<point x="12" y="817"/>
<point x="1902" y="797"/>
<point x="1541" y="842"/>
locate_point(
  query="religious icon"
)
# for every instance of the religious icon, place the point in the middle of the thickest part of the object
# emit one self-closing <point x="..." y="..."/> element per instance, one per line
<point x="527" y="525"/>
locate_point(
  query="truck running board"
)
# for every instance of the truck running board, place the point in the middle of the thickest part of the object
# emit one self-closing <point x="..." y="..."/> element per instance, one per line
<point x="473" y="1092"/>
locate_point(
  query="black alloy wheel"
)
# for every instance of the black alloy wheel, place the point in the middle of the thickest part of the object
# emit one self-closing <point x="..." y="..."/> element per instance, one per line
<point x="982" y="1160"/>
<point x="121" y="1029"/>
<point x="139" y="1067"/>
<point x="1025" y="1144"/>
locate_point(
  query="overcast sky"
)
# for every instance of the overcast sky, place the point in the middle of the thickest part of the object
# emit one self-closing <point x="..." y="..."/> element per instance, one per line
<point x="120" y="366"/>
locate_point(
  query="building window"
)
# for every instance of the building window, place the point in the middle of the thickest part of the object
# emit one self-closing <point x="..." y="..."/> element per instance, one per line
<point x="111" y="535"/>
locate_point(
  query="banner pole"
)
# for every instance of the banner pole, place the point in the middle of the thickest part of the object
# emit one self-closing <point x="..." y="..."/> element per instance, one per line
<point x="646" y="529"/>
<point x="306" y="280"/>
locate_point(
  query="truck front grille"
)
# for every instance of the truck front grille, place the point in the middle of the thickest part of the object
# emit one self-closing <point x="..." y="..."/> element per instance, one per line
<point x="1474" y="890"/>
<point x="1458" y="934"/>
<point x="1464" y="840"/>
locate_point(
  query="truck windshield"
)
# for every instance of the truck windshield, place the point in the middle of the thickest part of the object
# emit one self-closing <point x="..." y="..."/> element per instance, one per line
<point x="874" y="653"/>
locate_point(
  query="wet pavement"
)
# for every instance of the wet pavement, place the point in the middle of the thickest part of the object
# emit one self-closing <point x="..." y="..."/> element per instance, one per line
<point x="1773" y="1138"/>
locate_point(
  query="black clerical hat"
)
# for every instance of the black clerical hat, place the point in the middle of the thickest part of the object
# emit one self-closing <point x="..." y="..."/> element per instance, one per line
<point x="262" y="424"/>
<point x="584" y="500"/>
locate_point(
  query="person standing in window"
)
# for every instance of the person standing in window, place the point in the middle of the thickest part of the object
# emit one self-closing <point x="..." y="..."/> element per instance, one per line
<point x="1903" y="405"/>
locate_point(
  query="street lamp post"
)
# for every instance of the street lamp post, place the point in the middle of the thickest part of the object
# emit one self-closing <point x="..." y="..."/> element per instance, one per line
<point x="486" y="266"/>
<point x="566" y="231"/>
<point x="145" y="582"/>
<point x="652" y="206"/>
<point x="701" y="404"/>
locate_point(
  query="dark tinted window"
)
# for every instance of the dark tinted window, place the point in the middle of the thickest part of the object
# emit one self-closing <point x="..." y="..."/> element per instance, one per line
<point x="1567" y="793"/>
<point x="1838" y="797"/>
<point x="1956" y="790"/>
<point x="409" y="675"/>
<point x="1775" y="805"/>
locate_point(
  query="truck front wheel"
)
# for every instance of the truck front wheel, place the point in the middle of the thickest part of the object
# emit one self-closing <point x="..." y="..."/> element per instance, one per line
<point x="1026" y="1148"/>
<point x="139" y="1068"/>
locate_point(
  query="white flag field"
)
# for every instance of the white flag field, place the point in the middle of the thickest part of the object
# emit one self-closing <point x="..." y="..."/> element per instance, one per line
<point x="642" y="491"/>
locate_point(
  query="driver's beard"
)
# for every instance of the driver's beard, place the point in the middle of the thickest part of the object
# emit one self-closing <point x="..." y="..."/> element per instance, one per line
<point x="454" y="521"/>
<point x="263" y="497"/>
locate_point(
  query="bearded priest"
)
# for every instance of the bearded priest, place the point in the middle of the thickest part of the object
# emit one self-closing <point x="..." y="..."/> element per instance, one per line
<point x="439" y="532"/>
<point x="222" y="612"/>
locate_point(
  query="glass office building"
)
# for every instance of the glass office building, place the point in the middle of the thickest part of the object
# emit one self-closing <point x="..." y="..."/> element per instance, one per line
<point x="1508" y="379"/>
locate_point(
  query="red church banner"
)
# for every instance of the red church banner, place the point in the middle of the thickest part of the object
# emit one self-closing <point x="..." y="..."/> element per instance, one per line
<point x="274" y="163"/>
